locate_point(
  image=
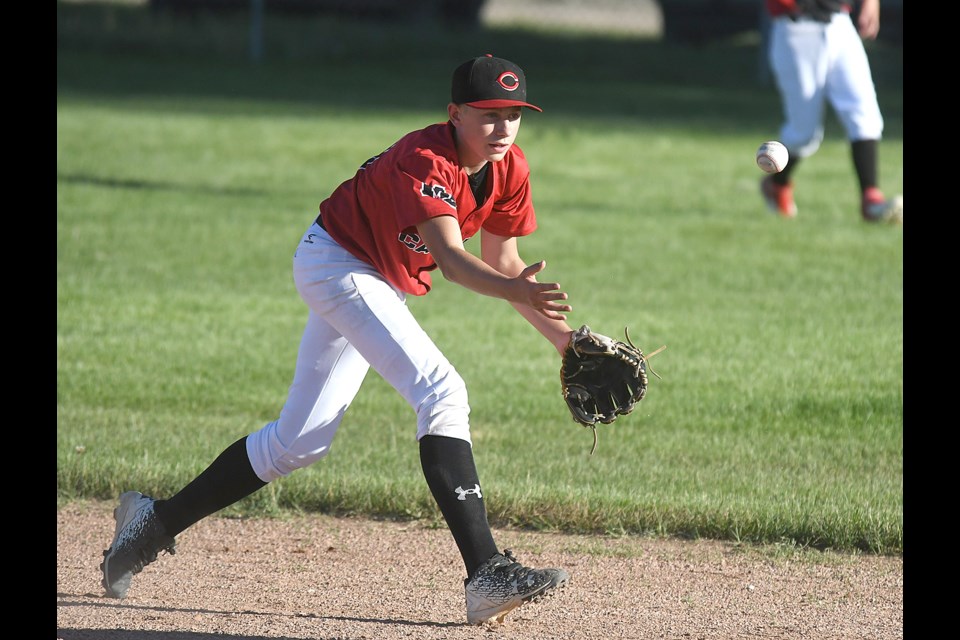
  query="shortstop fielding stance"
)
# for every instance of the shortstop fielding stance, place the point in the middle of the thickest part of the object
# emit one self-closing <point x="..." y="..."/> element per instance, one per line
<point x="406" y="212"/>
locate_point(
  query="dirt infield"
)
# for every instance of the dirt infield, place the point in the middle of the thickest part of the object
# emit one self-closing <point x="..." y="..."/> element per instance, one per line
<point x="325" y="578"/>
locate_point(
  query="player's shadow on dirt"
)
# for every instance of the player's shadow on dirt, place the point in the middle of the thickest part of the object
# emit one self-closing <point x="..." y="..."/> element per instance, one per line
<point x="139" y="634"/>
<point x="123" y="634"/>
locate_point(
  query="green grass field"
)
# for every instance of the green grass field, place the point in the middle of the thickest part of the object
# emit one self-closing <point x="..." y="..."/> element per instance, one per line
<point x="186" y="174"/>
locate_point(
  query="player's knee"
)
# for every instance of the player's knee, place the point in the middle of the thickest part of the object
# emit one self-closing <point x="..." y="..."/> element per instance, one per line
<point x="864" y="131"/>
<point x="272" y="457"/>
<point x="802" y="142"/>
<point x="446" y="409"/>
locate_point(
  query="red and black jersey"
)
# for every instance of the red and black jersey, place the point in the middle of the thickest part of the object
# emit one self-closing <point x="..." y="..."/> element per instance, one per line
<point x="816" y="9"/>
<point x="374" y="214"/>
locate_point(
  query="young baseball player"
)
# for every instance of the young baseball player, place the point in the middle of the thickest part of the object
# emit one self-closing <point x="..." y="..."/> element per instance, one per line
<point x="405" y="213"/>
<point x="817" y="57"/>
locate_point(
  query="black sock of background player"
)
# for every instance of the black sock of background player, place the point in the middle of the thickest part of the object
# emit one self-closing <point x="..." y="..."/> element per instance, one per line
<point x="864" y="154"/>
<point x="448" y="466"/>
<point x="224" y="482"/>
<point x="783" y="177"/>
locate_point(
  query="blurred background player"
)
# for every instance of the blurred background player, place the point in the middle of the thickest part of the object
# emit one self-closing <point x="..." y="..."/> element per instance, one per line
<point x="817" y="57"/>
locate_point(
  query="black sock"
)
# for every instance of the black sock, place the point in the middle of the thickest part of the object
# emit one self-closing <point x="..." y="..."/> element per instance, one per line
<point x="864" y="154"/>
<point x="229" y="479"/>
<point x="784" y="176"/>
<point x="452" y="476"/>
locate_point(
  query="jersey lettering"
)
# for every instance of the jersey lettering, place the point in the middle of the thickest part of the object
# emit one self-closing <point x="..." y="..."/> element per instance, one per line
<point x="438" y="192"/>
<point x="413" y="242"/>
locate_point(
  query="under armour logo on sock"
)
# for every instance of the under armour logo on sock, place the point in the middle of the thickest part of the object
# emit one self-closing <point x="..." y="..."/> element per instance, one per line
<point x="462" y="494"/>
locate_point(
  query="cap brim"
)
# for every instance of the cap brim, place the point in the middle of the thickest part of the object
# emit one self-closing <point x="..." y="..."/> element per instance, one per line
<point x="500" y="104"/>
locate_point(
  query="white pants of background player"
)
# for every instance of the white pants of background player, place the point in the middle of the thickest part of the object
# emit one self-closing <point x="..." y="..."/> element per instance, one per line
<point x="816" y="63"/>
<point x="356" y="320"/>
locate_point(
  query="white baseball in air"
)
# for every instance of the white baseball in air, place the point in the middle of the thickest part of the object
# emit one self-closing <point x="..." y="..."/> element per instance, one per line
<point x="772" y="156"/>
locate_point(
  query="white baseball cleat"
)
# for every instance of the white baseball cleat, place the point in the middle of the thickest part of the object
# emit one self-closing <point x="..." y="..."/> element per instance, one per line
<point x="138" y="538"/>
<point x="501" y="584"/>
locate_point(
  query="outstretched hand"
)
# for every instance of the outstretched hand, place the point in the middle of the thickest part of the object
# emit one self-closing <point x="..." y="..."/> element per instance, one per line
<point x="543" y="296"/>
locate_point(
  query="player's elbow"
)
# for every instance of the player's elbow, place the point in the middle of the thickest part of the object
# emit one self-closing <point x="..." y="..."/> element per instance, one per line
<point x="449" y="268"/>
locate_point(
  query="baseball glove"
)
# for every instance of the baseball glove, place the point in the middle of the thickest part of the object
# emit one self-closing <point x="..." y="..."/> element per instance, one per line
<point x="602" y="378"/>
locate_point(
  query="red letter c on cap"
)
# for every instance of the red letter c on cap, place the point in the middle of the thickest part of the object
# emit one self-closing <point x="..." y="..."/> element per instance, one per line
<point x="509" y="81"/>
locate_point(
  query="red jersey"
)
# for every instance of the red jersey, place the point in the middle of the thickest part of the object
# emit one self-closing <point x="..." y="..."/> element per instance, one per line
<point x="812" y="8"/>
<point x="374" y="214"/>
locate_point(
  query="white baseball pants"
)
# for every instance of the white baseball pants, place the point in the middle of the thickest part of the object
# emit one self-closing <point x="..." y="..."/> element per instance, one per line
<point x="816" y="63"/>
<point x="356" y="320"/>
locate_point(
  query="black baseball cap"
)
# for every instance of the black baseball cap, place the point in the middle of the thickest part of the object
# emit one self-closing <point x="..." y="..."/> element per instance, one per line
<point x="487" y="82"/>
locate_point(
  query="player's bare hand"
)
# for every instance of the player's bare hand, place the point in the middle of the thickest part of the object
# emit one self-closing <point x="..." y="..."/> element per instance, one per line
<point x="868" y="21"/>
<point x="545" y="297"/>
